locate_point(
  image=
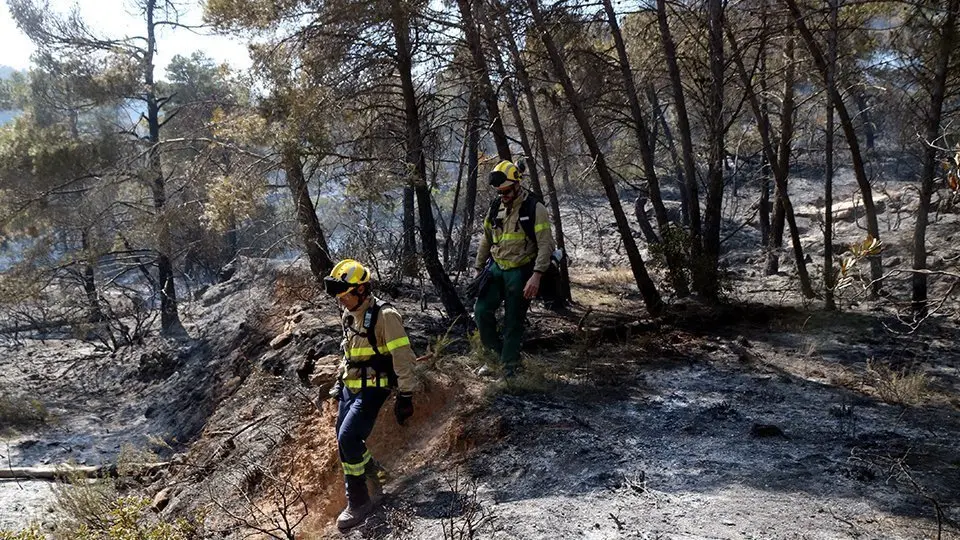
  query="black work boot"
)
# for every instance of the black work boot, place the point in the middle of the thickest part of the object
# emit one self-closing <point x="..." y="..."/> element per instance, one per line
<point x="359" y="505"/>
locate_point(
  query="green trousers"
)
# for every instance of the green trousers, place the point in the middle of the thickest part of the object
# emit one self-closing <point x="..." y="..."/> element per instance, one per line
<point x="504" y="286"/>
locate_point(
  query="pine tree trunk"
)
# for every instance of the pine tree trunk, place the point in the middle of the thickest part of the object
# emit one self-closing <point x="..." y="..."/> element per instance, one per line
<point x="863" y="111"/>
<point x="671" y="250"/>
<point x="95" y="314"/>
<point x="764" y="210"/>
<point x="531" y="168"/>
<point x="314" y="242"/>
<point x="685" y="134"/>
<point x="674" y="156"/>
<point x="408" y="255"/>
<point x="169" y="317"/>
<point x="461" y="164"/>
<point x="947" y="42"/>
<point x="489" y="97"/>
<point x="779" y="163"/>
<point x="648" y="290"/>
<point x="709" y="280"/>
<point x="470" y="197"/>
<point x="850" y="133"/>
<point x="415" y="156"/>
<point x="828" y="298"/>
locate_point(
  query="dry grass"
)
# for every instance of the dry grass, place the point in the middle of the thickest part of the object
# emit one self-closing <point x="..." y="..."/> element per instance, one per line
<point x="902" y="387"/>
<point x="32" y="532"/>
<point x="21" y="412"/>
<point x="618" y="276"/>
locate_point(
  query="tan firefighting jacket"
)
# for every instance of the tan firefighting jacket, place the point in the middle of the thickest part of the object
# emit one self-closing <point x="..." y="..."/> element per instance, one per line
<point x="392" y="340"/>
<point x="508" y="243"/>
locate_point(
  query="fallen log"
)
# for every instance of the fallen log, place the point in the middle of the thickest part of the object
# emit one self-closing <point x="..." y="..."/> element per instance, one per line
<point x="62" y="473"/>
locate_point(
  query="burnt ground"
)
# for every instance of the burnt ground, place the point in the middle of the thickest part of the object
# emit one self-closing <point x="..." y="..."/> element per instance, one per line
<point x="680" y="435"/>
<point x="765" y="419"/>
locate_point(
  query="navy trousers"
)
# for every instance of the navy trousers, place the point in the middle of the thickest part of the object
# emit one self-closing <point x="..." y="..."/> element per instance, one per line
<point x="357" y="415"/>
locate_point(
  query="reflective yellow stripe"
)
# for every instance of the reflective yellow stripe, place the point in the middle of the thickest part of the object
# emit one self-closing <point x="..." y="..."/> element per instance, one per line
<point x="357" y="384"/>
<point x="545" y="226"/>
<point x="510" y="237"/>
<point x="510" y="265"/>
<point x="359" y="351"/>
<point x="397" y="343"/>
<point x="357" y="469"/>
<point x="362" y="352"/>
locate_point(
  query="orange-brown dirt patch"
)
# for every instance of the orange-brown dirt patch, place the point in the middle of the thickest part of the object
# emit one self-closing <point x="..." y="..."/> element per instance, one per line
<point x="435" y="434"/>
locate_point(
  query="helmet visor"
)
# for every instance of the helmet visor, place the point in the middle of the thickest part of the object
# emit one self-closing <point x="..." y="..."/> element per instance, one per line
<point x="336" y="287"/>
<point x="498" y="179"/>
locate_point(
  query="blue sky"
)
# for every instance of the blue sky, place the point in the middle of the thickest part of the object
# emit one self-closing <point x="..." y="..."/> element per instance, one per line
<point x="113" y="18"/>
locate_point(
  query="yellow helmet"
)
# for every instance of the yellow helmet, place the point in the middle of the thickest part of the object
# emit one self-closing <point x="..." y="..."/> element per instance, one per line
<point x="347" y="275"/>
<point x="505" y="171"/>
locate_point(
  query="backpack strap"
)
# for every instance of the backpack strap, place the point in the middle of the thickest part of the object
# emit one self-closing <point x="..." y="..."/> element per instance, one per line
<point x="370" y="323"/>
<point x="381" y="363"/>
<point x="494" y="209"/>
<point x="528" y="216"/>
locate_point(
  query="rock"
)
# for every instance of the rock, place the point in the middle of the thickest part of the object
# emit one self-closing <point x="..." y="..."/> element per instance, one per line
<point x="742" y="341"/>
<point x="231" y="385"/>
<point x="892" y="261"/>
<point x="742" y="353"/>
<point x="329" y="360"/>
<point x="280" y="341"/>
<point x="306" y="367"/>
<point x="161" y="499"/>
<point x="766" y="430"/>
<point x="323" y="375"/>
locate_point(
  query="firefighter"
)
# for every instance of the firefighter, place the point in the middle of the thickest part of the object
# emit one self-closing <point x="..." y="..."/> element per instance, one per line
<point x="515" y="248"/>
<point x="377" y="358"/>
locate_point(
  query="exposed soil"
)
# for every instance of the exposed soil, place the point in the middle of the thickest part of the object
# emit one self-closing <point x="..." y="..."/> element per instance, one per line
<point x="765" y="419"/>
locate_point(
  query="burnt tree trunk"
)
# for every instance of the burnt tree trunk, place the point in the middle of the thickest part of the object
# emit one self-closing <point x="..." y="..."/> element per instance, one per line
<point x="683" y="125"/>
<point x="648" y="290"/>
<point x="863" y="110"/>
<point x="169" y="316"/>
<point x="938" y="86"/>
<point x="514" y="104"/>
<point x="400" y="19"/>
<point x="828" y="297"/>
<point x="779" y="163"/>
<point x="674" y="155"/>
<point x="448" y="236"/>
<point x="482" y="76"/>
<point x="850" y="133"/>
<point x="95" y="313"/>
<point x="672" y="252"/>
<point x="470" y="195"/>
<point x="314" y="242"/>
<point x="709" y="279"/>
<point x="640" y="209"/>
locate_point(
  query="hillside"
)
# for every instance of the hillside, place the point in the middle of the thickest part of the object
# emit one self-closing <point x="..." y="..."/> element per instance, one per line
<point x="767" y="418"/>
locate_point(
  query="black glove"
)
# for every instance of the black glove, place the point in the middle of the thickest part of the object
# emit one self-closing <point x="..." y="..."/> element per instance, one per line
<point x="403" y="408"/>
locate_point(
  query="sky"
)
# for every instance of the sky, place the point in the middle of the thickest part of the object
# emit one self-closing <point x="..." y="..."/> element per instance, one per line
<point x="112" y="18"/>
